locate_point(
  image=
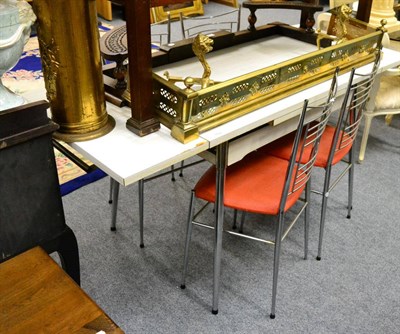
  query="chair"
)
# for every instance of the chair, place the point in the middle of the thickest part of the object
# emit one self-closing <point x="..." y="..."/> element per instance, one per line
<point x="208" y="25"/>
<point x="337" y="141"/>
<point x="268" y="185"/>
<point x="31" y="209"/>
<point x="384" y="100"/>
<point x="161" y="32"/>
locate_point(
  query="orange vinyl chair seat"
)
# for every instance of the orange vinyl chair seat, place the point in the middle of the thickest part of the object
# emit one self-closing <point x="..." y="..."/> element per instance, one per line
<point x="254" y="184"/>
<point x="282" y="148"/>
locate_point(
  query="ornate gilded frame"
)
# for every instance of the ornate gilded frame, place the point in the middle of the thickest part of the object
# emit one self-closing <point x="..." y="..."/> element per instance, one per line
<point x="188" y="113"/>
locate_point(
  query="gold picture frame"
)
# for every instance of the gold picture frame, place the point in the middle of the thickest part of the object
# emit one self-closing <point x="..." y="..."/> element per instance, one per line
<point x="188" y="8"/>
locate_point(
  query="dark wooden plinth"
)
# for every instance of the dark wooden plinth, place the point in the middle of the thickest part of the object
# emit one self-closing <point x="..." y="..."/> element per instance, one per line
<point x="31" y="209"/>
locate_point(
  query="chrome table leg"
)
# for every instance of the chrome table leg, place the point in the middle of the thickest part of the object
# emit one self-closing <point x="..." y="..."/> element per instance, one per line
<point x="222" y="151"/>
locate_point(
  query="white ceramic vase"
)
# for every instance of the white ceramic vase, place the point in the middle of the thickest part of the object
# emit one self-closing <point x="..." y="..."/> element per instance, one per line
<point x="16" y="19"/>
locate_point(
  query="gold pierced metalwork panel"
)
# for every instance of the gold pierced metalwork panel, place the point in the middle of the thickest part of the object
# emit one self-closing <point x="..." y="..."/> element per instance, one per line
<point x="189" y="112"/>
<point x="169" y="96"/>
<point x="204" y="102"/>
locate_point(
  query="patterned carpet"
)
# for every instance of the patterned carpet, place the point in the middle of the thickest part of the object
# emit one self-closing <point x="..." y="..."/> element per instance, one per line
<point x="66" y="169"/>
<point x="27" y="75"/>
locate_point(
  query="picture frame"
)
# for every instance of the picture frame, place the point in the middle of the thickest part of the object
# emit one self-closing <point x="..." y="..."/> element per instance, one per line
<point x="187" y="8"/>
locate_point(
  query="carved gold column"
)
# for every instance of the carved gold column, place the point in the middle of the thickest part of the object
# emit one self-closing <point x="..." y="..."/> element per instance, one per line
<point x="383" y="9"/>
<point x="69" y="47"/>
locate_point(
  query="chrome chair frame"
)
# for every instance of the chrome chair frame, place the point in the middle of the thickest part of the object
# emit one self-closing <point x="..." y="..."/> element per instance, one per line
<point x="297" y="176"/>
<point x="160" y="37"/>
<point x="348" y="123"/>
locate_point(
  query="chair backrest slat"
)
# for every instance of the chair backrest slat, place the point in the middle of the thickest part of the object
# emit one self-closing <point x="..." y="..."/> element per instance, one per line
<point x="352" y="108"/>
<point x="308" y="135"/>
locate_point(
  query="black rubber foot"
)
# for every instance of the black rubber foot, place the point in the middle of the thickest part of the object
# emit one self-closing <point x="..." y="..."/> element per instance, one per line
<point x="318" y="258"/>
<point x="113" y="229"/>
<point x="173" y="179"/>
<point x="183" y="286"/>
<point x="180" y="174"/>
<point x="110" y="201"/>
<point x="214" y="311"/>
<point x="272" y="316"/>
<point x="141" y="245"/>
<point x="348" y="216"/>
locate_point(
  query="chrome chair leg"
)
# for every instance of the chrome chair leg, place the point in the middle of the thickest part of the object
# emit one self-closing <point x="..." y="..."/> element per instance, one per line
<point x="243" y="217"/>
<point x="277" y="251"/>
<point x="325" y="195"/>
<point x="307" y="218"/>
<point x="189" y="228"/>
<point x="350" y="185"/>
<point x="221" y="163"/>
<point x="234" y="225"/>
<point x="173" y="173"/>
<point x="141" y="211"/>
<point x="114" y="187"/>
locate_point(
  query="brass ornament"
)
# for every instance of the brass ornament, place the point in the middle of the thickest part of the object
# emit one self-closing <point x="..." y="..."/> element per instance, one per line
<point x="339" y="30"/>
<point x="202" y="45"/>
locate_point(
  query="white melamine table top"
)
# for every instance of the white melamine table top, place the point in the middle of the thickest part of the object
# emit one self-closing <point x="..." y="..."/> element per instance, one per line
<point x="128" y="158"/>
<point x="125" y="156"/>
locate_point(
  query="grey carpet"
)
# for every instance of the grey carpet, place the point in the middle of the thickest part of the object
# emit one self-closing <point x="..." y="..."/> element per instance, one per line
<point x="354" y="289"/>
